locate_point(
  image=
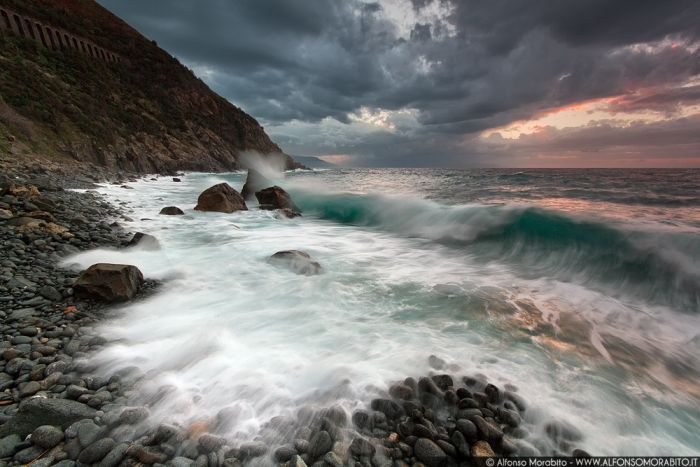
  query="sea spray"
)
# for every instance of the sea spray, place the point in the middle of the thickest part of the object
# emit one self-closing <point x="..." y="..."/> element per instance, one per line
<point x="663" y="267"/>
<point x="230" y="331"/>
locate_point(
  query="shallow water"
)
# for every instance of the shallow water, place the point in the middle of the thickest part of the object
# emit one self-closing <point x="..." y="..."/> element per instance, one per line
<point x="581" y="288"/>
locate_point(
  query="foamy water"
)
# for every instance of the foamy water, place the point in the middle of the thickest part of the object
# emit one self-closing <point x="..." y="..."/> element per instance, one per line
<point x="230" y="331"/>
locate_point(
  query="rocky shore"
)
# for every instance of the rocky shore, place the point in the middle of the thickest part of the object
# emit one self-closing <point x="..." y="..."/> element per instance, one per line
<point x="53" y="411"/>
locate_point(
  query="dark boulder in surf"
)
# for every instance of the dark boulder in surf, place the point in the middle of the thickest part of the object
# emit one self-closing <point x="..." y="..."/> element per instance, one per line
<point x="297" y="261"/>
<point x="255" y="181"/>
<point x="220" y="198"/>
<point x="275" y="197"/>
<point x="286" y="213"/>
<point x="171" y="211"/>
<point x="109" y="282"/>
<point x="145" y="241"/>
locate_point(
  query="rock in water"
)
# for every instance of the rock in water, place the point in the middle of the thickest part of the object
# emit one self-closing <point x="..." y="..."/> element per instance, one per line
<point x="145" y="241"/>
<point x="297" y="261"/>
<point x="109" y="282"/>
<point x="220" y="198"/>
<point x="275" y="198"/>
<point x="429" y="453"/>
<point x="37" y="411"/>
<point x="254" y="182"/>
<point x="171" y="211"/>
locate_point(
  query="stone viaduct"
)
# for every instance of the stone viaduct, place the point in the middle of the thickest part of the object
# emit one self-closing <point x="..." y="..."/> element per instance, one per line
<point x="52" y="37"/>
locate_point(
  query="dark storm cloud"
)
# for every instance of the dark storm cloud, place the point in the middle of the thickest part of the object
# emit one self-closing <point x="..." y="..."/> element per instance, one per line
<point x="663" y="100"/>
<point x="483" y="65"/>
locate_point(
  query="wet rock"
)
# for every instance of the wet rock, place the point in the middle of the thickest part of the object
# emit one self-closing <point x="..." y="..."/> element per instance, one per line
<point x="182" y="462"/>
<point x="443" y="381"/>
<point x="133" y="415"/>
<point x="320" y="444"/>
<point x="467" y="428"/>
<point x="115" y="456"/>
<point x="508" y="447"/>
<point x="580" y="453"/>
<point x="177" y="179"/>
<point x="360" y="447"/>
<point x="96" y="451"/>
<point x="562" y="431"/>
<point x="482" y="449"/>
<point x="145" y="241"/>
<point x="47" y="436"/>
<point x="255" y="181"/>
<point x="50" y="293"/>
<point x="460" y="443"/>
<point x="284" y="453"/>
<point x="275" y="197"/>
<point x="428" y="386"/>
<point x="9" y="445"/>
<point x="220" y="198"/>
<point x="487" y="430"/>
<point x="509" y="417"/>
<point x="401" y="391"/>
<point x="362" y="419"/>
<point x="27" y="455"/>
<point x="297" y="261"/>
<point x="144" y="455"/>
<point x="29" y="389"/>
<point x="171" y="211"/>
<point x="35" y="412"/>
<point x="429" y="453"/>
<point x="297" y="461"/>
<point x="87" y="432"/>
<point x="209" y="443"/>
<point x="333" y="460"/>
<point x="109" y="282"/>
<point x="287" y="213"/>
<point x="252" y="449"/>
<point x="515" y="399"/>
<point x="74" y="392"/>
<point x="391" y="409"/>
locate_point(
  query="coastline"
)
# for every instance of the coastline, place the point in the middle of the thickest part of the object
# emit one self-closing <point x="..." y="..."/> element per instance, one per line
<point x="44" y="340"/>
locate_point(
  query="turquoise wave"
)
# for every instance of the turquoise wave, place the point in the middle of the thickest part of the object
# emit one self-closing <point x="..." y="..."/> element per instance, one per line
<point x="661" y="267"/>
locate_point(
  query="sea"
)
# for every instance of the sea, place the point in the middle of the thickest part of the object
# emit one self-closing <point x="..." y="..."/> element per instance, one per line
<point x="579" y="289"/>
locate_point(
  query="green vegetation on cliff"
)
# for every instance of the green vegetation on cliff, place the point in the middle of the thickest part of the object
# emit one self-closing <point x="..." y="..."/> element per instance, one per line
<point x="148" y="113"/>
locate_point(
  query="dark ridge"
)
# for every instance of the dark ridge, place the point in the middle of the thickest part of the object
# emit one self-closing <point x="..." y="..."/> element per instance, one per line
<point x="145" y="113"/>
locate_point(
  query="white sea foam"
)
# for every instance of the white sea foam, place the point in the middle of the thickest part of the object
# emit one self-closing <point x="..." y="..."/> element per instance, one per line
<point x="230" y="330"/>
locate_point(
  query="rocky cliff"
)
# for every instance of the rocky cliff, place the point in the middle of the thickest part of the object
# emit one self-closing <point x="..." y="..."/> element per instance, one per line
<point x="145" y="113"/>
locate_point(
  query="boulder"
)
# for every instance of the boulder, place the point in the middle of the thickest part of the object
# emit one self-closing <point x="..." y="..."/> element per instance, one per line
<point x="297" y="261"/>
<point x="429" y="453"/>
<point x="38" y="411"/>
<point x="145" y="241"/>
<point x="171" y="211"/>
<point x="255" y="181"/>
<point x="482" y="449"/>
<point x="286" y="213"/>
<point x="176" y="179"/>
<point x="47" y="436"/>
<point x="320" y="444"/>
<point x="391" y="409"/>
<point x="220" y="198"/>
<point x="275" y="198"/>
<point x="109" y="282"/>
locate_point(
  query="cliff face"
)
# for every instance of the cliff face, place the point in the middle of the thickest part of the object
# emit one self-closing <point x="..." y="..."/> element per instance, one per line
<point x="88" y="87"/>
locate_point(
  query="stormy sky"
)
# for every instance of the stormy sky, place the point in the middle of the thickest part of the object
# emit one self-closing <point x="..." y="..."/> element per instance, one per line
<point x="450" y="83"/>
